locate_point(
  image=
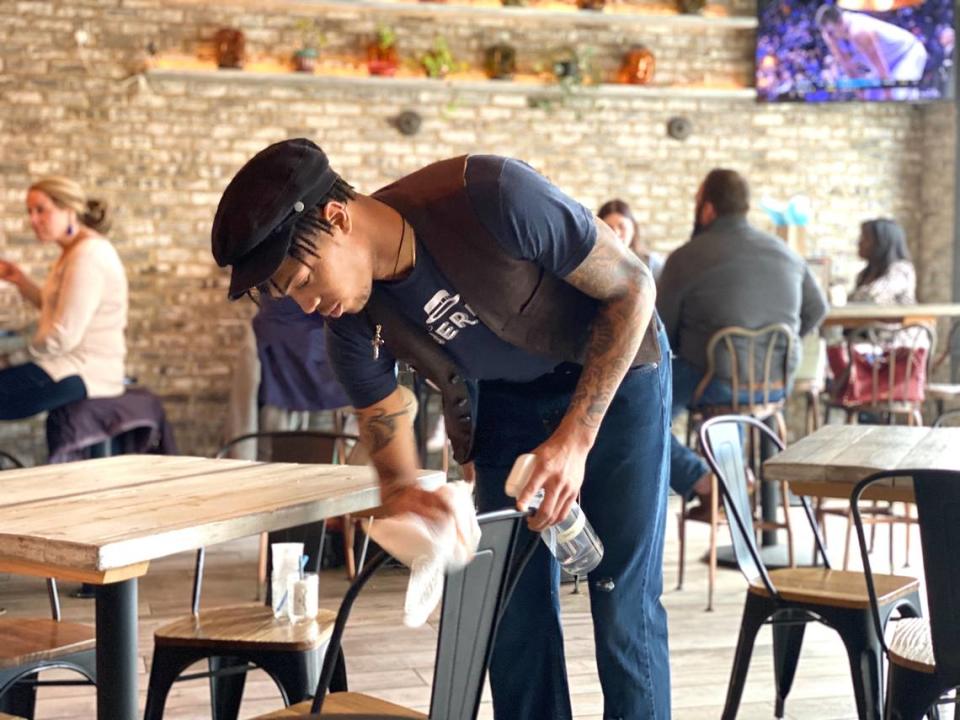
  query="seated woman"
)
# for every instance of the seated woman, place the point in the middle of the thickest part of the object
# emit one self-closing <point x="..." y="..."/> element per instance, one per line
<point x="889" y="277"/>
<point x="617" y="214"/>
<point x="79" y="348"/>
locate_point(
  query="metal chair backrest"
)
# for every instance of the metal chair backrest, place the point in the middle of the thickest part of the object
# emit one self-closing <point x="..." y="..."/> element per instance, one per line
<point x="757" y="363"/>
<point x="908" y="353"/>
<point x="951" y="418"/>
<point x="937" y="494"/>
<point x="10" y="462"/>
<point x="722" y="444"/>
<point x="944" y="355"/>
<point x="473" y="602"/>
<point x="299" y="446"/>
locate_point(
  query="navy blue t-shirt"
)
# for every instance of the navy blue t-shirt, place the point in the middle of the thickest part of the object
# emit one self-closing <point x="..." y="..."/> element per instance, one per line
<point x="531" y="220"/>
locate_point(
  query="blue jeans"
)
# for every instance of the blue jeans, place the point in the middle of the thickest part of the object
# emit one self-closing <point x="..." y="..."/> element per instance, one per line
<point x="26" y="390"/>
<point x="686" y="467"/>
<point x="624" y="496"/>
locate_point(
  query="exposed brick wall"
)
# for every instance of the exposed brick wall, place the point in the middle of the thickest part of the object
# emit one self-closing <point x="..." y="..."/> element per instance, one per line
<point x="164" y="150"/>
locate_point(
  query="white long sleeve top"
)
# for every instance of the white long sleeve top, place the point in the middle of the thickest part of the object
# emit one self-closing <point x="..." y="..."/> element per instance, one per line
<point x="83" y="316"/>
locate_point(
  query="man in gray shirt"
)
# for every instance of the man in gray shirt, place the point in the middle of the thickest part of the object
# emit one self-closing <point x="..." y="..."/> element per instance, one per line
<point x="729" y="273"/>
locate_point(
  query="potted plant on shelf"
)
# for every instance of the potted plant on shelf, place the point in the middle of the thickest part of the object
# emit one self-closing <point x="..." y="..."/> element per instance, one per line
<point x="382" y="57"/>
<point x="312" y="40"/>
<point x="500" y="60"/>
<point x="438" y="62"/>
<point x="230" y="48"/>
<point x="572" y="67"/>
<point x="691" y="7"/>
<point x="637" y="66"/>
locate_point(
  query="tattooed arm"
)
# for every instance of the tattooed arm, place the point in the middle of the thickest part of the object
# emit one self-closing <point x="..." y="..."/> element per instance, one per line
<point x="386" y="430"/>
<point x="626" y="289"/>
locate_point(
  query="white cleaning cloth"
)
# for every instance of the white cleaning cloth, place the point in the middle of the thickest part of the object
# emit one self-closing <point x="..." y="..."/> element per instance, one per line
<point x="430" y="549"/>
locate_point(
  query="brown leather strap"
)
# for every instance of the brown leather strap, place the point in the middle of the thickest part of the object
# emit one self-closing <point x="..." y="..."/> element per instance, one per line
<point x="412" y="344"/>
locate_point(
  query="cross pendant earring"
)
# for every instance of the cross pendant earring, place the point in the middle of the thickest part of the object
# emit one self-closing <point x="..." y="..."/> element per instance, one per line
<point x="377" y="342"/>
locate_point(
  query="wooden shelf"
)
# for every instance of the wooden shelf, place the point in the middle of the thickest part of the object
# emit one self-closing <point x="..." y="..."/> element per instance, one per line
<point x="712" y="16"/>
<point x="605" y="17"/>
<point x="454" y="85"/>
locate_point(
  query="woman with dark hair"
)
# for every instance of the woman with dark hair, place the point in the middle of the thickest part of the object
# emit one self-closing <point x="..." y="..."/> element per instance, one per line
<point x="79" y="348"/>
<point x="889" y="277"/>
<point x="616" y="213"/>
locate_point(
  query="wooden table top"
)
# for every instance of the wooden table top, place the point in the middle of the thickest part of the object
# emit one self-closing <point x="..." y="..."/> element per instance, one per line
<point x="860" y="313"/>
<point x="103" y="520"/>
<point x="828" y="462"/>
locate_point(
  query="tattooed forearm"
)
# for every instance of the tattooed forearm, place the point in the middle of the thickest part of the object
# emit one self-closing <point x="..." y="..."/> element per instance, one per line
<point x="378" y="427"/>
<point x="625" y="289"/>
<point x="616" y="334"/>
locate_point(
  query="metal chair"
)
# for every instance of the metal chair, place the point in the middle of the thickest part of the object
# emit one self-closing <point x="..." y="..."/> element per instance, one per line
<point x="757" y="363"/>
<point x="941" y="393"/>
<point x="234" y="639"/>
<point x="924" y="655"/>
<point x="29" y="646"/>
<point x="789" y="598"/>
<point x="303" y="446"/>
<point x="473" y="601"/>
<point x="919" y="341"/>
<point x="951" y="418"/>
<point x="908" y="347"/>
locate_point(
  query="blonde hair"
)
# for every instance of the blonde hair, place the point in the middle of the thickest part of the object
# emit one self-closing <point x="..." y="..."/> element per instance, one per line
<point x="67" y="194"/>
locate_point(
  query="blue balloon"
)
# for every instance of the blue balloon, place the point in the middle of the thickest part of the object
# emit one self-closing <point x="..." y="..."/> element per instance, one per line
<point x="775" y="210"/>
<point x="798" y="210"/>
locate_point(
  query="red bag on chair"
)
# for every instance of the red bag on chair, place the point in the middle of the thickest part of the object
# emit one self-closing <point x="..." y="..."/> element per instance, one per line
<point x="866" y="380"/>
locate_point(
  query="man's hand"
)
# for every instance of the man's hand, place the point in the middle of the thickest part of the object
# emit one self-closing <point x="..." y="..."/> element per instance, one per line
<point x="386" y="430"/>
<point x="559" y="472"/>
<point x="398" y="499"/>
<point x="624" y="286"/>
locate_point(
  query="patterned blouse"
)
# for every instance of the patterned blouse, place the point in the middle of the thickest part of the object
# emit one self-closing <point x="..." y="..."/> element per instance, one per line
<point x="897" y="287"/>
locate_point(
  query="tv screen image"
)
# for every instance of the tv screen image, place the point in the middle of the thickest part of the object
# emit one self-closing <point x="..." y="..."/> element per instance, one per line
<point x="871" y="50"/>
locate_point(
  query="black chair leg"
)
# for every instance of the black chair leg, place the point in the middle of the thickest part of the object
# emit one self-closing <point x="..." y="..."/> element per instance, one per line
<point x="910" y="694"/>
<point x="20" y="699"/>
<point x="865" y="656"/>
<point x="168" y="664"/>
<point x="755" y="612"/>
<point x="788" y="630"/>
<point x="338" y="683"/>
<point x="226" y="691"/>
<point x="296" y="674"/>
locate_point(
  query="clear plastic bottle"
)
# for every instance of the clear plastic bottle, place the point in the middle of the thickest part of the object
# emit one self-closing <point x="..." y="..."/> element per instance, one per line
<point x="572" y="541"/>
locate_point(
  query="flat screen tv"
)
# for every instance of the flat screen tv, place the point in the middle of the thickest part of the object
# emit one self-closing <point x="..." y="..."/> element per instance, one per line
<point x="870" y="50"/>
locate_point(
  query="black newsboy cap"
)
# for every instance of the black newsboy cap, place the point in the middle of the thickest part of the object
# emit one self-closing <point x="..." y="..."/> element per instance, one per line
<point x="253" y="227"/>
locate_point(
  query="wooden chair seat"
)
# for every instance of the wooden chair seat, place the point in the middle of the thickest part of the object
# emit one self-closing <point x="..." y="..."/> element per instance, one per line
<point x="249" y="627"/>
<point x="912" y="646"/>
<point x="835" y="588"/>
<point x="943" y="391"/>
<point x="347" y="705"/>
<point x="27" y="640"/>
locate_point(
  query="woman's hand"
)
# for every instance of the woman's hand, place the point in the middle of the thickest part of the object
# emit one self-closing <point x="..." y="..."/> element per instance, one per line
<point x="11" y="272"/>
